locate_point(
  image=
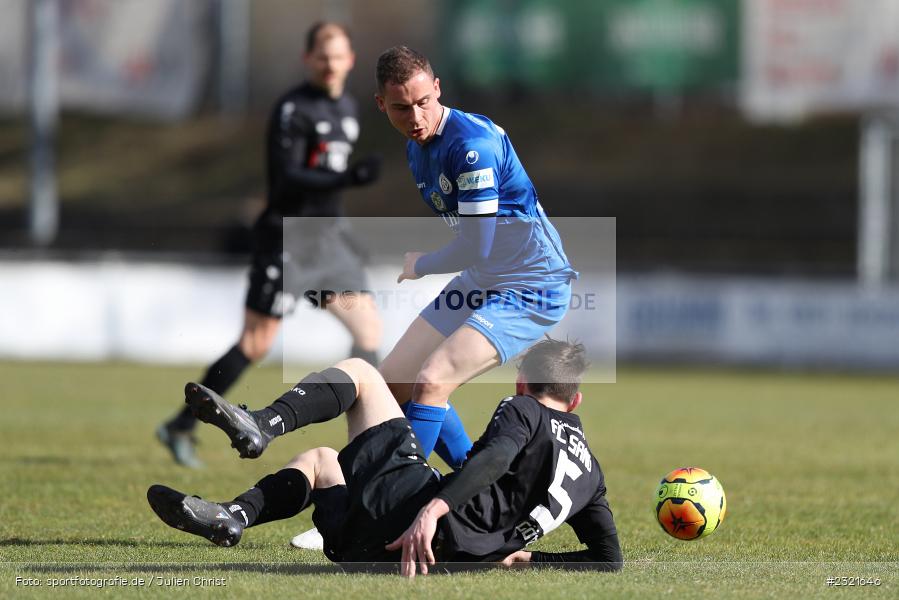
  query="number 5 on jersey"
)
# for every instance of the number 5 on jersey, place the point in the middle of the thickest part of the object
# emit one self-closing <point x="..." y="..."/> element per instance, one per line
<point x="566" y="470"/>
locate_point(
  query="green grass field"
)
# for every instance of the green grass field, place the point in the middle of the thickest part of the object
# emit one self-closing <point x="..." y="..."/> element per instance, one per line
<point x="810" y="464"/>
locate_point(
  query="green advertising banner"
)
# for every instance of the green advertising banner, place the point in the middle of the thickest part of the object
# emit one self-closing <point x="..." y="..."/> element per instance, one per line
<point x="669" y="44"/>
<point x="659" y="45"/>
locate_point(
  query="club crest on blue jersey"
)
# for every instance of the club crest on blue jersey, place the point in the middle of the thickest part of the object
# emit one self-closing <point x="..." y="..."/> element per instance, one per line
<point x="445" y="186"/>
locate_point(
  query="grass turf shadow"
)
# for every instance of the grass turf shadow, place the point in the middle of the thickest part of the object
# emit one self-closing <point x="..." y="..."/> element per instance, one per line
<point x="270" y="568"/>
<point x="273" y="568"/>
<point x="91" y="542"/>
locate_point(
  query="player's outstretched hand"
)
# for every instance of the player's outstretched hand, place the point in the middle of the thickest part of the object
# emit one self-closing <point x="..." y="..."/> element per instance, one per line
<point x="365" y="171"/>
<point x="416" y="540"/>
<point x="409" y="261"/>
<point x="517" y="558"/>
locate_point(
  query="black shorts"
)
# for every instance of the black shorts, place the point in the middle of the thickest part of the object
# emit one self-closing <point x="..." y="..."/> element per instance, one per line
<point x="317" y="260"/>
<point x="388" y="480"/>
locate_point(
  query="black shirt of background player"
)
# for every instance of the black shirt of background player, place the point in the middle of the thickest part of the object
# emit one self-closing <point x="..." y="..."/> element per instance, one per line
<point x="552" y="477"/>
<point x="309" y="140"/>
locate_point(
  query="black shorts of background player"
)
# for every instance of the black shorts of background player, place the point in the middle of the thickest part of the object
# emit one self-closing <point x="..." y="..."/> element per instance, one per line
<point x="310" y="136"/>
<point x="378" y="500"/>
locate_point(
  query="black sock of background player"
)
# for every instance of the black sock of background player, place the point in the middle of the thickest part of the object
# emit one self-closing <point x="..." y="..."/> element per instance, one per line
<point x="319" y="397"/>
<point x="220" y="376"/>
<point x="277" y="496"/>
<point x="370" y="356"/>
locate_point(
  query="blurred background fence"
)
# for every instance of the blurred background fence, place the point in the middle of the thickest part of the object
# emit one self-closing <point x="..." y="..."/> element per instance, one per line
<point x="747" y="149"/>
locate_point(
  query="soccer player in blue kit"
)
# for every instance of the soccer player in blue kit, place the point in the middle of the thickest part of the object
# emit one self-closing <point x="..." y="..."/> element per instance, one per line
<point x="515" y="280"/>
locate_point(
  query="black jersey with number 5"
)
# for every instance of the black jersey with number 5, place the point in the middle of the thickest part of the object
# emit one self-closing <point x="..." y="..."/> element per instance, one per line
<point x="553" y="479"/>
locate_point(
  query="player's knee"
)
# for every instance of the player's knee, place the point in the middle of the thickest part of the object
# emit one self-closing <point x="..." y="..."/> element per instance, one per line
<point x="361" y="372"/>
<point x="301" y="460"/>
<point x="327" y="467"/>
<point x="253" y="349"/>
<point x="357" y="368"/>
<point x="313" y="458"/>
<point x="432" y="374"/>
<point x="325" y="455"/>
<point x="256" y="342"/>
<point x="431" y="382"/>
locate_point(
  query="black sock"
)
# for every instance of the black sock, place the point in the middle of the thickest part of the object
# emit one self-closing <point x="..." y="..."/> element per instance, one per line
<point x="220" y="376"/>
<point x="317" y="398"/>
<point x="183" y="421"/>
<point x="370" y="356"/>
<point x="277" y="496"/>
<point x="270" y="421"/>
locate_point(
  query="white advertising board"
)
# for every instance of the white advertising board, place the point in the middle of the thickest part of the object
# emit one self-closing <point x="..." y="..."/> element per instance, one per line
<point x="806" y="56"/>
<point x="166" y="313"/>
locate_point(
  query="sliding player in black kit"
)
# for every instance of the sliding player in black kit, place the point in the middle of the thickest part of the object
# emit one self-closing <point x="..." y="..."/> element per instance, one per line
<point x="310" y="136"/>
<point x="379" y="501"/>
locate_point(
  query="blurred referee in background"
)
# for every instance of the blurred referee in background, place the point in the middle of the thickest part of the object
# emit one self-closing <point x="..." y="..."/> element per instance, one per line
<point x="311" y="132"/>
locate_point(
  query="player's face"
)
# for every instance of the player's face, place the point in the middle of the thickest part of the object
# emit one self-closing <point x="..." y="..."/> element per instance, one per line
<point x="412" y="107"/>
<point x="329" y="63"/>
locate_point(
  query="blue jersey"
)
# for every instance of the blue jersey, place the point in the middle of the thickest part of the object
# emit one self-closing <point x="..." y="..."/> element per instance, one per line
<point x="470" y="168"/>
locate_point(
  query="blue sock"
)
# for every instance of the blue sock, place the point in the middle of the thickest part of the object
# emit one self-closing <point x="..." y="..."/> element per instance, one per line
<point x="426" y="423"/>
<point x="453" y="443"/>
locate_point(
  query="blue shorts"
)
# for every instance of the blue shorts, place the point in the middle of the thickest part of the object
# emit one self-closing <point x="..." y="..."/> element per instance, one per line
<point x="512" y="316"/>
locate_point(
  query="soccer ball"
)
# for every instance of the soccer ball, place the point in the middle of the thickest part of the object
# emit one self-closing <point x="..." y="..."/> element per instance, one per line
<point x="690" y="503"/>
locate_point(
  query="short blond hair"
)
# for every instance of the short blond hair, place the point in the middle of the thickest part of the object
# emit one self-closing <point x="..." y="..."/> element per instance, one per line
<point x="325" y="30"/>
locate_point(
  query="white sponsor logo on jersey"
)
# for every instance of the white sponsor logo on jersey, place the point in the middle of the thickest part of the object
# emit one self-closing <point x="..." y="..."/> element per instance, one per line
<point x="323" y="128"/>
<point x="472" y="157"/>
<point x="476" y="180"/>
<point x="445" y="186"/>
<point x="337" y="155"/>
<point x="482" y="321"/>
<point x="350" y="128"/>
